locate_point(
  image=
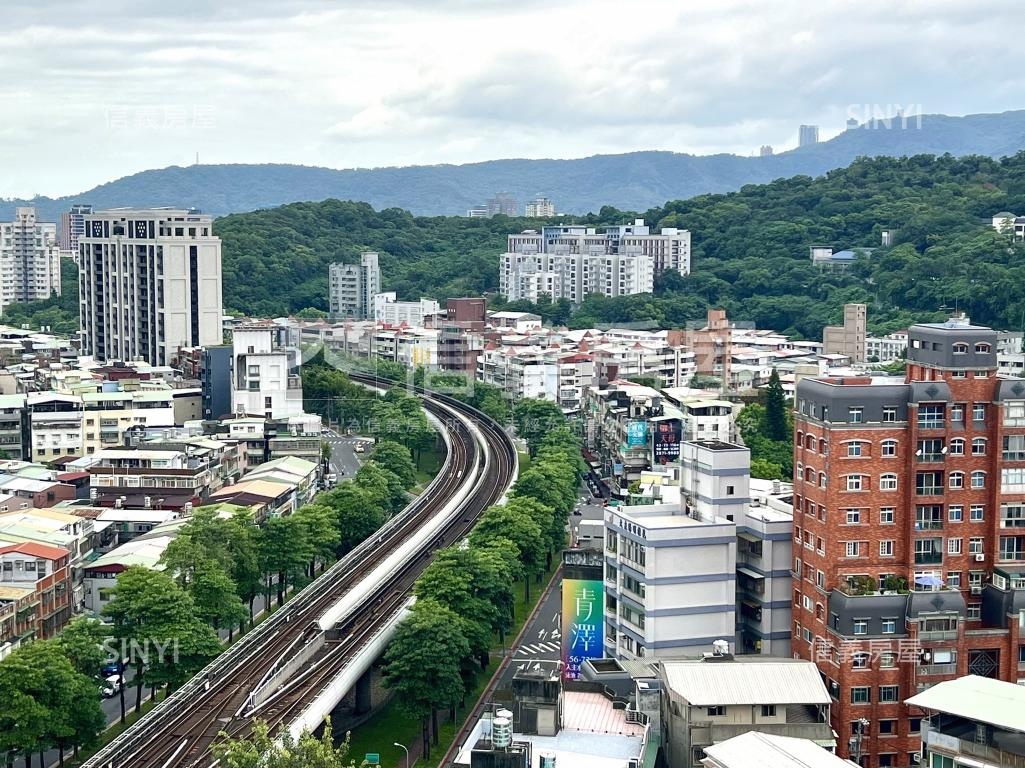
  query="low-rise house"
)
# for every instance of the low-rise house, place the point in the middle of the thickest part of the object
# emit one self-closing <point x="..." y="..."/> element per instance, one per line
<point x="772" y="752"/>
<point x="712" y="699"/>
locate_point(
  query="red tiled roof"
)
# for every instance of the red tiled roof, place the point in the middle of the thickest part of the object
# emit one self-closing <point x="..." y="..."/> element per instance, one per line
<point x="44" y="551"/>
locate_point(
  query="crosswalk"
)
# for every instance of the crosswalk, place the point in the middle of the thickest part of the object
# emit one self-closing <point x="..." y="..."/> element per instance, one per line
<point x="533" y="649"/>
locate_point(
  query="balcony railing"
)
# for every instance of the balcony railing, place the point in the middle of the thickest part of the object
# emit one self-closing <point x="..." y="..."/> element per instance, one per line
<point x="929" y="490"/>
<point x="928" y="558"/>
<point x="937" y="634"/>
<point x="928" y="525"/>
<point x="937" y="669"/>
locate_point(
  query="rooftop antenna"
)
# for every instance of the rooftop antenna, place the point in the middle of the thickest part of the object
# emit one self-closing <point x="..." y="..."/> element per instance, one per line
<point x="197" y="158"/>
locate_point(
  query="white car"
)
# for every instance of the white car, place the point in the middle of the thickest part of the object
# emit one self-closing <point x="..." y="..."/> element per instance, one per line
<point x="111" y="686"/>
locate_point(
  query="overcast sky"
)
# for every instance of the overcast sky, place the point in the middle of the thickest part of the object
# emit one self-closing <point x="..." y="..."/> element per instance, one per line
<point x="95" y="91"/>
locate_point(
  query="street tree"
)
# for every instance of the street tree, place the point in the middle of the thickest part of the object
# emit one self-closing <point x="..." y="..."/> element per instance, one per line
<point x="518" y="527"/>
<point x="155" y="619"/>
<point x="423" y="664"/>
<point x="775" y="409"/>
<point x="321" y="526"/>
<point x="358" y="514"/>
<point x="534" y="418"/>
<point x="397" y="459"/>
<point x="260" y="749"/>
<point x="82" y="642"/>
<point x="244" y="548"/>
<point x="285" y="552"/>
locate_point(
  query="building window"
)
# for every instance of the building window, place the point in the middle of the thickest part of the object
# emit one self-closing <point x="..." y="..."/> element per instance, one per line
<point x="886" y="515"/>
<point x="890" y="413"/>
<point x="888" y="659"/>
<point x="960" y="348"/>
<point x="856" y="415"/>
<point x="886" y="548"/>
<point x="887" y="727"/>
<point x="978" y="479"/>
<point x="1014" y="448"/>
<point x="956" y="480"/>
<point x="859" y="660"/>
<point x="931" y="416"/>
<point x="853" y="548"/>
<point x="716" y="711"/>
<point x="861" y="626"/>
<point x="768" y="710"/>
<point x="888" y="448"/>
<point x="977" y="513"/>
<point x="975" y="545"/>
<point x="1014" y="413"/>
<point x="956" y="447"/>
<point x="982" y="348"/>
<point x="974" y="612"/>
<point x="979" y="412"/>
<point x="888" y="482"/>
<point x="822" y="479"/>
<point x="888" y="694"/>
<point x="953" y="546"/>
<point x="914" y="725"/>
<point x="979" y="446"/>
<point x="853" y="516"/>
<point x="855" y="448"/>
<point x="954" y="579"/>
<point x="955" y="513"/>
<point x="861" y="695"/>
<point x="855" y="482"/>
<point x="889" y="626"/>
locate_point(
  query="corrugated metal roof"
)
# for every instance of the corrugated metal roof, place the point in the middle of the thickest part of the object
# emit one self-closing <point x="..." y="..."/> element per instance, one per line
<point x="977" y="698"/>
<point x="714" y="683"/>
<point x="773" y="752"/>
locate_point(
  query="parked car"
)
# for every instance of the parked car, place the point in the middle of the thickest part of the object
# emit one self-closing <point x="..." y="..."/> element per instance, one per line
<point x="112" y="667"/>
<point x="111" y="686"/>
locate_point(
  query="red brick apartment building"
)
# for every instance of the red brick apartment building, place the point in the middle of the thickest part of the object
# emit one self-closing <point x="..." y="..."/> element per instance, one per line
<point x="909" y="531"/>
<point x="35" y="592"/>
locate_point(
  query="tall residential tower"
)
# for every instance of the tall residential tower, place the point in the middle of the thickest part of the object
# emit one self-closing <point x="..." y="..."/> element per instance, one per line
<point x="29" y="259"/>
<point x="352" y="288"/>
<point x="149" y="283"/>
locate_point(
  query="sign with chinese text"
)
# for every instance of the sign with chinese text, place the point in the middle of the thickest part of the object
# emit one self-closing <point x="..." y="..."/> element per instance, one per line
<point x="665" y="440"/>
<point x="583" y="619"/>
<point x="636" y="434"/>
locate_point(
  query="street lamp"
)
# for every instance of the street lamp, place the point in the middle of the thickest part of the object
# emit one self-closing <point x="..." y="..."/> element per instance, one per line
<point x="403" y="748"/>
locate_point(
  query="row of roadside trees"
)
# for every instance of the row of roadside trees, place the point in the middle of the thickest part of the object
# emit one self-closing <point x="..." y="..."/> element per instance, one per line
<point x="165" y="622"/>
<point x="465" y="597"/>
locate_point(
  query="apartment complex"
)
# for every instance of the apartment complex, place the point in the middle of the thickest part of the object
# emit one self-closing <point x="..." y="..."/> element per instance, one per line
<point x="540" y="208"/>
<point x="909" y="532"/>
<point x="390" y="311"/>
<point x="35" y="593"/>
<point x="352" y="287"/>
<point x="73" y="227"/>
<point x="573" y="261"/>
<point x="848" y="339"/>
<point x="265" y="372"/>
<point x="807" y="135"/>
<point x="29" y="259"/>
<point x="149" y="283"/>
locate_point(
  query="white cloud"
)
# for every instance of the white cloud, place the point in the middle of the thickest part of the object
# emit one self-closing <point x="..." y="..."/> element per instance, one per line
<point x="397" y="82"/>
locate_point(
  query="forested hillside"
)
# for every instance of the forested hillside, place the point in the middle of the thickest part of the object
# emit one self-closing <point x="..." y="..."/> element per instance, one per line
<point x="580" y="185"/>
<point x="750" y="250"/>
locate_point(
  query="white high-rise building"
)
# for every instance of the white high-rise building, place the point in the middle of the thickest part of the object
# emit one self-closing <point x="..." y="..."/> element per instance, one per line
<point x="149" y="283"/>
<point x="574" y="276"/>
<point x="265" y="372"/>
<point x="388" y="309"/>
<point x="29" y="259"/>
<point x="540" y="208"/>
<point x="352" y="287"/>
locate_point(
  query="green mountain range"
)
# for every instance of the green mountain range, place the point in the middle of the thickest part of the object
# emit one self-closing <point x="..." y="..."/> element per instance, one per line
<point x="634" y="181"/>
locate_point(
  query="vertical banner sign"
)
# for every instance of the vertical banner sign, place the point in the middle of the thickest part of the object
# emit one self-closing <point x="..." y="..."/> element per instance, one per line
<point x="583" y="617"/>
<point x="636" y="434"/>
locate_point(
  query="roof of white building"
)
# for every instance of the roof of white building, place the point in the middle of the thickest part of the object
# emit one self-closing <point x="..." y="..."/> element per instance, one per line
<point x="773" y="752"/>
<point x="977" y="698"/>
<point x="142" y="551"/>
<point x="745" y="680"/>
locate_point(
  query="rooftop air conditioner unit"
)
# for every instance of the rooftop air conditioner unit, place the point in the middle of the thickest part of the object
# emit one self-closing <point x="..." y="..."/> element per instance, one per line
<point x="975" y="589"/>
<point x="979" y="557"/>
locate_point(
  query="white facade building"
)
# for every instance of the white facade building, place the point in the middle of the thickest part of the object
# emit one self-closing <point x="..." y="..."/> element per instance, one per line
<point x="885" y="349"/>
<point x="352" y="287"/>
<point x="392" y="312"/>
<point x="574" y="276"/>
<point x="265" y="373"/>
<point x="540" y="208"/>
<point x="149" y="283"/>
<point x="29" y="259"/>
